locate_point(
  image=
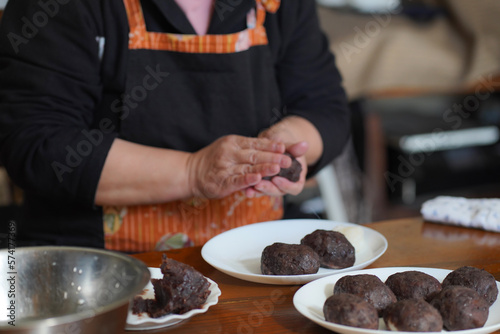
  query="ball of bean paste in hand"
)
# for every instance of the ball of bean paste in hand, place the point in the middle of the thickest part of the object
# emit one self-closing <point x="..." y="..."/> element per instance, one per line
<point x="291" y="173"/>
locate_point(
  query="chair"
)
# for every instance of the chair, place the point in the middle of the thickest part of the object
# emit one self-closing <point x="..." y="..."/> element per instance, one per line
<point x="329" y="189"/>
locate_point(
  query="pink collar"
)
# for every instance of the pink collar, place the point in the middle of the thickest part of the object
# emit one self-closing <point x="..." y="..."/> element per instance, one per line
<point x="198" y="13"/>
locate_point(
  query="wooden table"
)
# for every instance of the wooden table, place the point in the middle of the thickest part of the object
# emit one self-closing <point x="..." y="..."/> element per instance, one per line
<point x="247" y="308"/>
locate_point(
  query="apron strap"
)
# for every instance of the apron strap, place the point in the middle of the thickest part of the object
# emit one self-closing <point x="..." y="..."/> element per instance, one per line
<point x="271" y="5"/>
<point x="255" y="34"/>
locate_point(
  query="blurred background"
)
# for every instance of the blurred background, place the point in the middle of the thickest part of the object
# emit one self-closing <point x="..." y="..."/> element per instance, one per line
<point x="423" y="81"/>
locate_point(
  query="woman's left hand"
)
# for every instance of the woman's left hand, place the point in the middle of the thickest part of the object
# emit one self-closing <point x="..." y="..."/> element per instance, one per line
<point x="285" y="132"/>
<point x="277" y="185"/>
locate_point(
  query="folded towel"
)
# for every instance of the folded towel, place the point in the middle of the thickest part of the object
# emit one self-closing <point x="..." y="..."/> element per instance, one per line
<point x="481" y="213"/>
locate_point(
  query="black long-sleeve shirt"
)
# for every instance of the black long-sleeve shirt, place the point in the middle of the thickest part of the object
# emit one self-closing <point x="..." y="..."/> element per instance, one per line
<point x="63" y="64"/>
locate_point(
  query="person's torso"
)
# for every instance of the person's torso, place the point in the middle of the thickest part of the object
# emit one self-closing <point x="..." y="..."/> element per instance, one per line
<point x="182" y="92"/>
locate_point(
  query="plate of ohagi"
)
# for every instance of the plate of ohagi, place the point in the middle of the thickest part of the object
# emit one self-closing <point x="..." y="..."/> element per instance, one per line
<point x="332" y="297"/>
<point x="142" y="318"/>
<point x="238" y="252"/>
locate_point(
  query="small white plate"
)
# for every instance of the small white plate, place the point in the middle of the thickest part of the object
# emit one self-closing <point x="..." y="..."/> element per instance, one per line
<point x="145" y="322"/>
<point x="310" y="298"/>
<point x="237" y="252"/>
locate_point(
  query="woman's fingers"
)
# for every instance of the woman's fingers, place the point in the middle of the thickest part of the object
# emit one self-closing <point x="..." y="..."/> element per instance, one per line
<point x="299" y="149"/>
<point x="259" y="144"/>
<point x="261" y="169"/>
<point x="285" y="186"/>
<point x="255" y="158"/>
<point x="279" y="185"/>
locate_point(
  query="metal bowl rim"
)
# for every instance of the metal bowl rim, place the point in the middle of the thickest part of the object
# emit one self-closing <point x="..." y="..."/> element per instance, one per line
<point x="82" y="315"/>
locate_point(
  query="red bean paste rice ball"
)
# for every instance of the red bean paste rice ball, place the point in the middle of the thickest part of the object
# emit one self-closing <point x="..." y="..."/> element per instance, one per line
<point x="413" y="315"/>
<point x="413" y="284"/>
<point x="478" y="279"/>
<point x="461" y="308"/>
<point x="289" y="259"/>
<point x="333" y="248"/>
<point x="366" y="286"/>
<point x="350" y="310"/>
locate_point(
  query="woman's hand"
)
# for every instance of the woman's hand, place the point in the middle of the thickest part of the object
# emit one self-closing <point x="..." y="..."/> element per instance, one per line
<point x="278" y="185"/>
<point x="234" y="163"/>
<point x="303" y="141"/>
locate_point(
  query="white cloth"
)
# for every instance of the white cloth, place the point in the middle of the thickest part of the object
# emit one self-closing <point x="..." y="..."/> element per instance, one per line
<point x="477" y="213"/>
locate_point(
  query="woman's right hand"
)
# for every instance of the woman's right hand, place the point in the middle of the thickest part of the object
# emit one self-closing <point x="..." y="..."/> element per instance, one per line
<point x="234" y="163"/>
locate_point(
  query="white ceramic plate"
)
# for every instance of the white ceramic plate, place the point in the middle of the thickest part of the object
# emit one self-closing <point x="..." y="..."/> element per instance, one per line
<point x="309" y="300"/>
<point x="144" y="322"/>
<point x="237" y="252"/>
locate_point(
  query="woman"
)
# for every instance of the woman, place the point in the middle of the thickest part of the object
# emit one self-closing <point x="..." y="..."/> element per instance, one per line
<point x="136" y="125"/>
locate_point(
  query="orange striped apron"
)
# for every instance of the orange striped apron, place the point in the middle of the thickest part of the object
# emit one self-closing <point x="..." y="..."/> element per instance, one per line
<point x="193" y="221"/>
